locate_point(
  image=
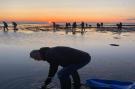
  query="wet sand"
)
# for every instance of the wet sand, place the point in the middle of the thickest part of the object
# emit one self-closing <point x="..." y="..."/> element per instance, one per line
<point x="18" y="71"/>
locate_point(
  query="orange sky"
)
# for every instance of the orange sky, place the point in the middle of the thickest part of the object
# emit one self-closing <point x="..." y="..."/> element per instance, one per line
<point x="61" y="15"/>
<point x="68" y="10"/>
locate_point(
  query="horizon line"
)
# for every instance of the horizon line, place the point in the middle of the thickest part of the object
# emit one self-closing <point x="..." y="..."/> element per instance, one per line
<point x="47" y="22"/>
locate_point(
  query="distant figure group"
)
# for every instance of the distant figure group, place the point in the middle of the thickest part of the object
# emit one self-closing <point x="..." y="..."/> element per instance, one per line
<point x="119" y="26"/>
<point x="5" y="26"/>
<point x="68" y="25"/>
<point x="99" y="25"/>
<point x="73" y="27"/>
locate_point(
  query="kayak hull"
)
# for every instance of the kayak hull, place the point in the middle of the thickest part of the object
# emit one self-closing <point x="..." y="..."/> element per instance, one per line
<point x="109" y="84"/>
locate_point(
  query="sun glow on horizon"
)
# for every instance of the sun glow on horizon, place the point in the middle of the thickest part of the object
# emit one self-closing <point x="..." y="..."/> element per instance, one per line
<point x="68" y="10"/>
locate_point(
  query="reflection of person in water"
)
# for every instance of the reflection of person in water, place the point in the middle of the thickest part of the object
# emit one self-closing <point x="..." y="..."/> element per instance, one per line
<point x="5" y="27"/>
<point x="69" y="58"/>
<point x="14" y="26"/>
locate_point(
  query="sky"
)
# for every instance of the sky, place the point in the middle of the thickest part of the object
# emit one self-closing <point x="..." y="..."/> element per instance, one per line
<point x="67" y="10"/>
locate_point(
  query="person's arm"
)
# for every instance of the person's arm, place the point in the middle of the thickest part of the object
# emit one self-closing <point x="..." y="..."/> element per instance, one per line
<point x="52" y="70"/>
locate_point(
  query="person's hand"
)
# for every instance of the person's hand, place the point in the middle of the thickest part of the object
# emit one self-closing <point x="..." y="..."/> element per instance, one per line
<point x="48" y="80"/>
<point x="43" y="87"/>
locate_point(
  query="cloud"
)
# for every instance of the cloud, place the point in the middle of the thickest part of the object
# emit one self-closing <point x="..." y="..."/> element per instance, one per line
<point x="131" y="19"/>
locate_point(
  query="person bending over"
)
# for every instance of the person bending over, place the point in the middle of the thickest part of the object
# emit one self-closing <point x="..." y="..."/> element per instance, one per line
<point x="69" y="58"/>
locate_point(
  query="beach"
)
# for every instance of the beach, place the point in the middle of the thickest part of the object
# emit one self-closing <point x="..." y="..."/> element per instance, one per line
<point x="112" y="54"/>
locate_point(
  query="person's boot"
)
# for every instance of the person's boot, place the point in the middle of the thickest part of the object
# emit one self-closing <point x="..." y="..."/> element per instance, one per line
<point x="76" y="86"/>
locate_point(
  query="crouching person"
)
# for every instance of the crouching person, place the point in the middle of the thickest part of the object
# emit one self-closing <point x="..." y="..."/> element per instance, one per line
<point x="69" y="58"/>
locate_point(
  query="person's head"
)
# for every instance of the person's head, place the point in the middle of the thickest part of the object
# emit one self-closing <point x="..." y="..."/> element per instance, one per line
<point x="35" y="54"/>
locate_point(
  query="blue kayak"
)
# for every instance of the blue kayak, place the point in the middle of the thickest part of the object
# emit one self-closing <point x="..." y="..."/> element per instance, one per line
<point x="109" y="84"/>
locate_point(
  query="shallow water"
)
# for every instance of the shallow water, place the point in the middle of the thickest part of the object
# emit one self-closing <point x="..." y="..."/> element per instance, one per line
<point x="19" y="71"/>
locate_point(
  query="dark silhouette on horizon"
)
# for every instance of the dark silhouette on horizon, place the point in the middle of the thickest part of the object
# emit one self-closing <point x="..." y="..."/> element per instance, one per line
<point x="119" y="26"/>
<point x="82" y="27"/>
<point x="90" y="26"/>
<point x="102" y="24"/>
<point x="14" y="26"/>
<point x="5" y="27"/>
<point x="67" y="27"/>
<point x="98" y="25"/>
<point x="54" y="26"/>
<point x="74" y="25"/>
<point x="86" y="25"/>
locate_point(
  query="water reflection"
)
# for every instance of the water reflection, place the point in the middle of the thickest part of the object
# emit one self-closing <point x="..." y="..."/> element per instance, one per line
<point x="18" y="71"/>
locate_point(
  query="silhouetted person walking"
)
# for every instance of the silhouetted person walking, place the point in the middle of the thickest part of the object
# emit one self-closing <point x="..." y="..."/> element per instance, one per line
<point x="102" y="24"/>
<point x="119" y="26"/>
<point x="86" y="25"/>
<point x="82" y="27"/>
<point x="14" y="26"/>
<point x="74" y="27"/>
<point x="69" y="58"/>
<point x="67" y="28"/>
<point x="5" y="27"/>
<point x="98" y="25"/>
<point x="54" y="26"/>
<point x="67" y="25"/>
